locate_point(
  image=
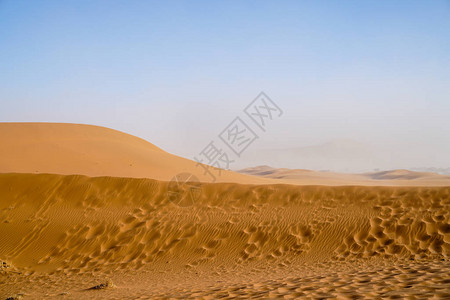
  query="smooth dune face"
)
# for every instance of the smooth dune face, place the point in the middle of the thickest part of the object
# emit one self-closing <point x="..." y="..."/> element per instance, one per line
<point x="61" y="148"/>
<point x="233" y="241"/>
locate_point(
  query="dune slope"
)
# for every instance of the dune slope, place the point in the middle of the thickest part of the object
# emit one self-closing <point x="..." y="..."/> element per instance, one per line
<point x="62" y="148"/>
<point x="232" y="241"/>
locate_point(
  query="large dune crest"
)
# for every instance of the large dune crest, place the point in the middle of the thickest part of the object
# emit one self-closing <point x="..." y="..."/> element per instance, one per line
<point x="62" y="148"/>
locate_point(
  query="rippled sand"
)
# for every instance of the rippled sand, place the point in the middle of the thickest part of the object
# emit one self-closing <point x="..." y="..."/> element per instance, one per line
<point x="62" y="235"/>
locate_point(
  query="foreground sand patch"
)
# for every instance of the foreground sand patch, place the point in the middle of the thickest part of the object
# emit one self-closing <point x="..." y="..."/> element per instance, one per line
<point x="66" y="234"/>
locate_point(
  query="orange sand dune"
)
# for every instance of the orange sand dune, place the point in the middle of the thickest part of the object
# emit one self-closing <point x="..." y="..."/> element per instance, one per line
<point x="62" y="148"/>
<point x="384" y="178"/>
<point x="118" y="237"/>
<point x="122" y="238"/>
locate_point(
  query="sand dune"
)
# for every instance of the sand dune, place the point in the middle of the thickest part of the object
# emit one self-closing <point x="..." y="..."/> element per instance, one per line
<point x="61" y="148"/>
<point x="122" y="238"/>
<point x="383" y="178"/>
<point x="405" y="175"/>
<point x="133" y="234"/>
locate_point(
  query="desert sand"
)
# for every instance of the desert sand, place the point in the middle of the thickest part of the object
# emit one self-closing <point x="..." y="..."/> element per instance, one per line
<point x="62" y="148"/>
<point x="71" y="230"/>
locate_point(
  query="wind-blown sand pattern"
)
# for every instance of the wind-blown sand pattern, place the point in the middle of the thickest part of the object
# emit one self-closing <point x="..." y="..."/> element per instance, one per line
<point x="78" y="237"/>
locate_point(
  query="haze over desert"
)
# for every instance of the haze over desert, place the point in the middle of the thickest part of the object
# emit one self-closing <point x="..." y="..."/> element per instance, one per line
<point x="224" y="150"/>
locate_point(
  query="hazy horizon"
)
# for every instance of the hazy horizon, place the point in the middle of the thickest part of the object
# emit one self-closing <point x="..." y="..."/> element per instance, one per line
<point x="362" y="86"/>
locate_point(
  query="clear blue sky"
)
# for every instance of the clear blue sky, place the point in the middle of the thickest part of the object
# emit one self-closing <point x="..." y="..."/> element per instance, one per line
<point x="176" y="72"/>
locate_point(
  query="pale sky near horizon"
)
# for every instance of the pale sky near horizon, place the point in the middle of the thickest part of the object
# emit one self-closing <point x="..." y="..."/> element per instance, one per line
<point x="176" y="73"/>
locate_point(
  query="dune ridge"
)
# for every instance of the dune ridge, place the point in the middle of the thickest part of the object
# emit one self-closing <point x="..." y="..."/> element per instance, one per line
<point x="67" y="149"/>
<point x="64" y="227"/>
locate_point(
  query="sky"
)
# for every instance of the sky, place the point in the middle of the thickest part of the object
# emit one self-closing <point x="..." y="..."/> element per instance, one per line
<point x="375" y="74"/>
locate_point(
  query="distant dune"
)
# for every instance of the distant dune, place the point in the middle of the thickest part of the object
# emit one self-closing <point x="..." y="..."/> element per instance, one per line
<point x="339" y="155"/>
<point x="383" y="178"/>
<point x="61" y="148"/>
<point x="443" y="171"/>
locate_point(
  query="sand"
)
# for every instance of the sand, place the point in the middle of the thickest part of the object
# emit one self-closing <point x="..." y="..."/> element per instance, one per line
<point x="68" y="236"/>
<point x="67" y="149"/>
